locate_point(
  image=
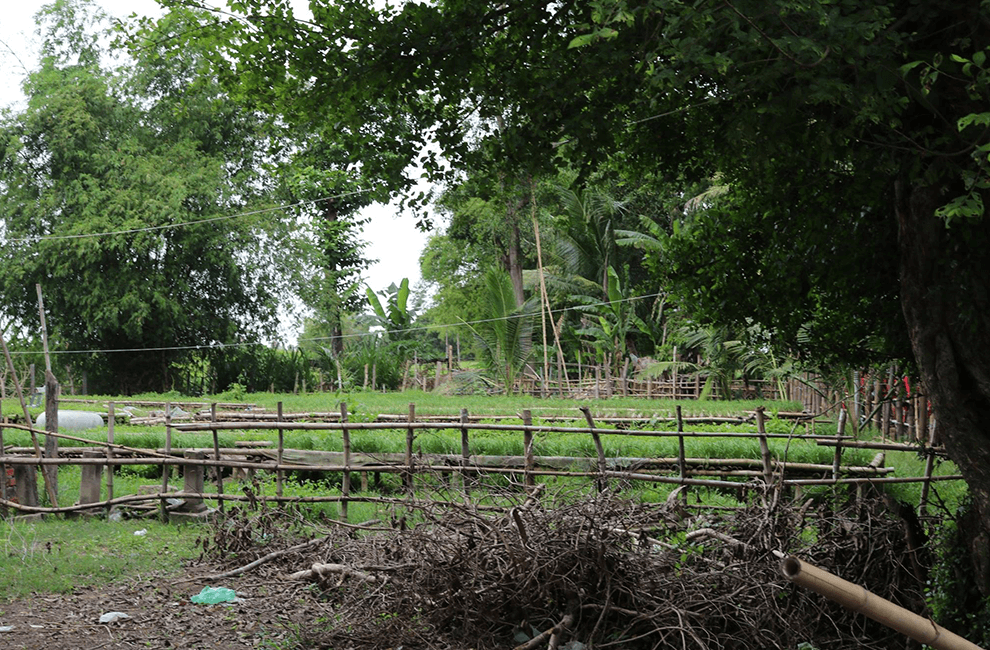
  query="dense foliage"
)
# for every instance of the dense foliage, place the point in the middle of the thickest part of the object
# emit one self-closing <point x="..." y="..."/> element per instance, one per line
<point x="831" y="124"/>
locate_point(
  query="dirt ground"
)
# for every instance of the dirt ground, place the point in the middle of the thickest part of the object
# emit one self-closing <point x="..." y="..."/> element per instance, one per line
<point x="161" y="616"/>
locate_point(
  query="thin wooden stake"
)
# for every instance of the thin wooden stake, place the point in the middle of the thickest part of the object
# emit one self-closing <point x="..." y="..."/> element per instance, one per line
<point x="527" y="418"/>
<point x="44" y="329"/>
<point x="345" y="483"/>
<point x="602" y="481"/>
<point x="111" y="421"/>
<point x="764" y="447"/>
<point x="410" y="436"/>
<point x="929" y="468"/>
<point x="465" y="452"/>
<point x="279" y="475"/>
<point x="216" y="455"/>
<point x="51" y="427"/>
<point x="839" y="432"/>
<point x="681" y="460"/>
<point x="3" y="465"/>
<point x="165" y="466"/>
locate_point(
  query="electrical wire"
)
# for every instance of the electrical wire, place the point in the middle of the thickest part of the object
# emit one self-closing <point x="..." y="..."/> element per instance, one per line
<point x="221" y="346"/>
<point x="182" y="224"/>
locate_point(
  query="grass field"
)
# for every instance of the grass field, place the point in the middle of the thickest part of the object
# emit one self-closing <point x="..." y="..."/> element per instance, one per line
<point x="81" y="548"/>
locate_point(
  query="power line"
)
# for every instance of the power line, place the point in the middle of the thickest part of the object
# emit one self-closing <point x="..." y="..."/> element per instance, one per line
<point x="221" y="346"/>
<point x="38" y="238"/>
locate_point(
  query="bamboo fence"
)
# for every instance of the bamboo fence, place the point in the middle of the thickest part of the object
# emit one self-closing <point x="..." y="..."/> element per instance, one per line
<point x="734" y="474"/>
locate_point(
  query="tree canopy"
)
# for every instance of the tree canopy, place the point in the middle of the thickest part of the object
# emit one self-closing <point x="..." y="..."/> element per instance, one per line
<point x="852" y="138"/>
<point x="134" y="196"/>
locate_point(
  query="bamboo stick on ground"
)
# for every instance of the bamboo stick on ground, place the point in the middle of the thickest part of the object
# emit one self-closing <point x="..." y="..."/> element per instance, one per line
<point x="860" y="600"/>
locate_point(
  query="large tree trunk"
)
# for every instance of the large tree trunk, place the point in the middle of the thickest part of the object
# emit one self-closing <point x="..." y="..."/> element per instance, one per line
<point x="945" y="296"/>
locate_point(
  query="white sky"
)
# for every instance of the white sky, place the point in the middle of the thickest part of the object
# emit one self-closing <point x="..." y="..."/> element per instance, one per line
<point x="393" y="238"/>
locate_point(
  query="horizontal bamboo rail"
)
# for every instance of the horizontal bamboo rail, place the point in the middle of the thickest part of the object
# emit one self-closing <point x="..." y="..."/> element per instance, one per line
<point x="364" y="461"/>
<point x="428" y="426"/>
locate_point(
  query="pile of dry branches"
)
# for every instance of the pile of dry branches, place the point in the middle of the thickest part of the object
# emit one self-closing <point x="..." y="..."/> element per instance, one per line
<point x="566" y="572"/>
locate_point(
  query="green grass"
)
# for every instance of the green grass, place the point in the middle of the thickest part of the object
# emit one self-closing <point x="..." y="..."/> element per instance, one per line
<point x="363" y="405"/>
<point x="59" y="555"/>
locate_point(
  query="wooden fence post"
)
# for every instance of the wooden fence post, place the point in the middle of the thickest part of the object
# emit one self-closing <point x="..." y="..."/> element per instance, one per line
<point x="216" y="455"/>
<point x="527" y="418"/>
<point x="410" y="436"/>
<point x="111" y="422"/>
<point x="764" y="447"/>
<point x="90" y="478"/>
<point x="681" y="456"/>
<point x="345" y="481"/>
<point x="165" y="466"/>
<point x="602" y="480"/>
<point x="465" y="453"/>
<point x="839" y="432"/>
<point x="279" y="474"/>
<point x="51" y="426"/>
<point x="3" y="466"/>
<point x="929" y="468"/>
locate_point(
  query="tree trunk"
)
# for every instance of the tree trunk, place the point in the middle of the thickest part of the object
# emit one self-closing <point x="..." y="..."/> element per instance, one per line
<point x="945" y="296"/>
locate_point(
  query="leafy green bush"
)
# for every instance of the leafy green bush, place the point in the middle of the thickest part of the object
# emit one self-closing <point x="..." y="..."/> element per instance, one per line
<point x="954" y="595"/>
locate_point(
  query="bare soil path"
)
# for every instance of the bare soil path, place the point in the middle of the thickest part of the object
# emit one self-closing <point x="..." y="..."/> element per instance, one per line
<point x="161" y="616"/>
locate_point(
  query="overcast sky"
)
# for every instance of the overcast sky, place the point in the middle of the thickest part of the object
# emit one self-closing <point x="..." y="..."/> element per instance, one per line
<point x="393" y="239"/>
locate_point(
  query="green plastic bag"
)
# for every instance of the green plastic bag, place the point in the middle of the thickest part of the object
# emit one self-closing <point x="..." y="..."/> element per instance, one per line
<point x="214" y="595"/>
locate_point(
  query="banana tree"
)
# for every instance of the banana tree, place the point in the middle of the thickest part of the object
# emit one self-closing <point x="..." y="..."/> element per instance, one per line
<point x="608" y="324"/>
<point x="394" y="316"/>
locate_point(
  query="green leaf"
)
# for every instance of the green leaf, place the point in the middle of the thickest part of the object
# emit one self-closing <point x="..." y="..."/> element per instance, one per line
<point x="978" y="119"/>
<point x="581" y="41"/>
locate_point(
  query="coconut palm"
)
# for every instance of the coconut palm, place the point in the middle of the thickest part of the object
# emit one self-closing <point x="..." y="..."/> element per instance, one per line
<point x="505" y="335"/>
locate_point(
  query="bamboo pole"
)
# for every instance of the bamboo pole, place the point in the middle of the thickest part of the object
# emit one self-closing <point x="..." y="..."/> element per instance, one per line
<point x="216" y="454"/>
<point x="527" y="418"/>
<point x="929" y="468"/>
<point x="602" y="481"/>
<point x="396" y="460"/>
<point x="345" y="481"/>
<point x="837" y="460"/>
<point x="280" y="475"/>
<point x="854" y="597"/>
<point x="3" y="465"/>
<point x="51" y="426"/>
<point x="259" y="498"/>
<point x="410" y="437"/>
<point x="51" y="399"/>
<point x="764" y="447"/>
<point x="165" y="466"/>
<point x="681" y="460"/>
<point x="465" y="453"/>
<point x="44" y="329"/>
<point x="544" y="299"/>
<point x="111" y="423"/>
<point x="335" y="426"/>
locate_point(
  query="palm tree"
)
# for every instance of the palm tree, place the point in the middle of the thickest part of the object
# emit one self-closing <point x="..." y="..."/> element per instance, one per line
<point x="505" y="335"/>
